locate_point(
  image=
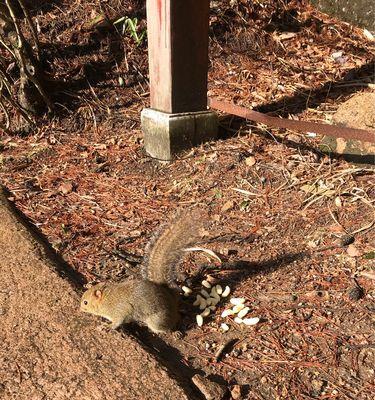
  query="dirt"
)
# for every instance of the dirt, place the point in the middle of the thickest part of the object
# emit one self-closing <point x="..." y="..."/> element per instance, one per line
<point x="84" y="180"/>
<point x="358" y="111"/>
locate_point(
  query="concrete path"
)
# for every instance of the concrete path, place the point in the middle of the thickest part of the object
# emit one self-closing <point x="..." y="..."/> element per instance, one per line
<point x="48" y="349"/>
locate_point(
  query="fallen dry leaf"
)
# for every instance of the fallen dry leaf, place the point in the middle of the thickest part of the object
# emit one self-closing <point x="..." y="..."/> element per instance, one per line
<point x="353" y="251"/>
<point x="227" y="206"/>
<point x="368" y="274"/>
<point x="66" y="187"/>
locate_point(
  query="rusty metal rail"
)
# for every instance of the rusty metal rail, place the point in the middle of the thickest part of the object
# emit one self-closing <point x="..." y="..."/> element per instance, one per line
<point x="304" y="126"/>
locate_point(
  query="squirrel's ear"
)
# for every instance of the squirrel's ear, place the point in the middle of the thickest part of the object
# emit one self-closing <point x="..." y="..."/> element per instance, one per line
<point x="98" y="293"/>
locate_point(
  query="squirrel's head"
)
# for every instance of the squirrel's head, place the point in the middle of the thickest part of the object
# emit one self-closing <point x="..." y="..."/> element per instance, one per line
<point x="92" y="299"/>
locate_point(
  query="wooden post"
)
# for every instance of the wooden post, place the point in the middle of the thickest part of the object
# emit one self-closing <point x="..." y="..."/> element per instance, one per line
<point x="178" y="62"/>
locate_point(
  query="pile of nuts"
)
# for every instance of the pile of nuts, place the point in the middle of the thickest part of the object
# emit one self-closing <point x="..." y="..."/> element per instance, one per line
<point x="207" y="302"/>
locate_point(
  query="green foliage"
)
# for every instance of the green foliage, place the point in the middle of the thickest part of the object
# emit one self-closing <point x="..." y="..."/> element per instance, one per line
<point x="131" y="26"/>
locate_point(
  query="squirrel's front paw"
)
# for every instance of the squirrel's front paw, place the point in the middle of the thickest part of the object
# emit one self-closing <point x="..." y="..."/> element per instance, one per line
<point x="115" y="324"/>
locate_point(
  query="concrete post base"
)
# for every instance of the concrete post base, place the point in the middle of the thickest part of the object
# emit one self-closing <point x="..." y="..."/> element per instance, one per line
<point x="165" y="134"/>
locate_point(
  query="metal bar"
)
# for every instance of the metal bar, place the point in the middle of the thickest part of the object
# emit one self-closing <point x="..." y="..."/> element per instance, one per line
<point x="304" y="126"/>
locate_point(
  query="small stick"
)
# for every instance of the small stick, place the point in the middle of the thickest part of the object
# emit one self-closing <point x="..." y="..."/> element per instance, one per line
<point x="223" y="347"/>
<point x="32" y="27"/>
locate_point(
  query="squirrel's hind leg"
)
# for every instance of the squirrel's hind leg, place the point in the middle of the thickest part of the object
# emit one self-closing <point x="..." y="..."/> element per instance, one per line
<point x="158" y="324"/>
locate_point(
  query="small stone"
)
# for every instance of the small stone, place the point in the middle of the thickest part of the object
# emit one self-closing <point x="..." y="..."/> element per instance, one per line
<point x="236" y="392"/>
<point x="338" y="202"/>
<point x="236" y="352"/>
<point x="294" y="138"/>
<point x="356" y="293"/>
<point x="317" y="387"/>
<point x="211" y="390"/>
<point x="346" y="240"/>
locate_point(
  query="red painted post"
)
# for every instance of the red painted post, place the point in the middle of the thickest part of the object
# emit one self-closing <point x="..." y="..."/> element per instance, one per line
<point x="178" y="63"/>
<point x="178" y="54"/>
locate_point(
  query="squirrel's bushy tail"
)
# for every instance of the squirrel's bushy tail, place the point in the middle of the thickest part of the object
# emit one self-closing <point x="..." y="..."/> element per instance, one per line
<point x="165" y="249"/>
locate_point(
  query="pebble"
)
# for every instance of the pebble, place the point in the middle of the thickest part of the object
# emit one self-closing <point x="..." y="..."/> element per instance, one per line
<point x="210" y="390"/>
<point x="346" y="240"/>
<point x="236" y="392"/>
<point x="356" y="293"/>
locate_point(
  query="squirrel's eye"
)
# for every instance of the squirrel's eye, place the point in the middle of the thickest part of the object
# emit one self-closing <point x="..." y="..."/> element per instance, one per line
<point x="85" y="302"/>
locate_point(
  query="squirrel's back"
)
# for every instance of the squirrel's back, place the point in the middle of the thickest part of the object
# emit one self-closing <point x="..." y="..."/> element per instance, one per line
<point x="165" y="249"/>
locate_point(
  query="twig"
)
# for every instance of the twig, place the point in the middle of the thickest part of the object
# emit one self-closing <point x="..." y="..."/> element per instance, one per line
<point x="223" y="347"/>
<point x="2" y="41"/>
<point x="20" y="36"/>
<point x="7" y="119"/>
<point x="32" y="27"/>
<point x="335" y="219"/>
<point x="21" y="58"/>
<point x="18" y="107"/>
<point x="364" y="228"/>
